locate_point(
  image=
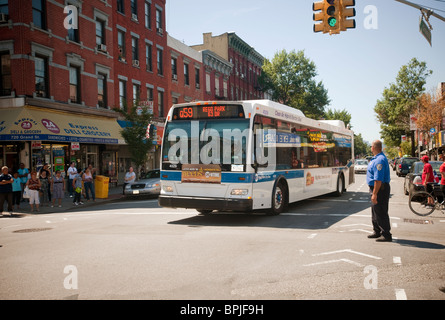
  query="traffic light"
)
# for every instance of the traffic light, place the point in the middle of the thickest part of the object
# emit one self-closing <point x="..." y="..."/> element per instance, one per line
<point x="328" y="12"/>
<point x="333" y="15"/>
<point x="319" y="15"/>
<point x="346" y="13"/>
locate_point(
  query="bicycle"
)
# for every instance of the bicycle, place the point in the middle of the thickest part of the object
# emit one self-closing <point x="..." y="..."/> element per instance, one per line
<point x="424" y="203"/>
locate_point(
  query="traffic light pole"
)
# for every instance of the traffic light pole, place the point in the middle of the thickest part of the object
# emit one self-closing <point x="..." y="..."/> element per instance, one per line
<point x="428" y="11"/>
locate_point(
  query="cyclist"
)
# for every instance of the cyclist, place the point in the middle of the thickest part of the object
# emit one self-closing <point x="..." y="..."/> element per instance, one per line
<point x="442" y="176"/>
<point x="427" y="178"/>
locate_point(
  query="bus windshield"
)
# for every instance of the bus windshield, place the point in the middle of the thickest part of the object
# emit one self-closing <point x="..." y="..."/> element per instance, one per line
<point x="222" y="142"/>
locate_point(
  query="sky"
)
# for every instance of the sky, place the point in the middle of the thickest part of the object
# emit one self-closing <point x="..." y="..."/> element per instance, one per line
<point x="354" y="66"/>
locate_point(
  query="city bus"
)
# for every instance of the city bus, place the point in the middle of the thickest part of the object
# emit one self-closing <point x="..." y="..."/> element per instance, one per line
<point x="255" y="155"/>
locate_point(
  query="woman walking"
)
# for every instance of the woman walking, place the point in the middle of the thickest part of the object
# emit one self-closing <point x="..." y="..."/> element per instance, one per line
<point x="44" y="187"/>
<point x="58" y="188"/>
<point x="87" y="178"/>
<point x="34" y="188"/>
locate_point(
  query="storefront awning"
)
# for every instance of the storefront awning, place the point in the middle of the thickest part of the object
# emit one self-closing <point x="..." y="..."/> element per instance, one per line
<point x="31" y="124"/>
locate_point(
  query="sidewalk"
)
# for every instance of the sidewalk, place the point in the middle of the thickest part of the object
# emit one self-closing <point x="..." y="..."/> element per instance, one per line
<point x="114" y="193"/>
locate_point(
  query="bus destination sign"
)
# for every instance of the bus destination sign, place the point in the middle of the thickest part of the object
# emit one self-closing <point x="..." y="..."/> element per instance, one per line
<point x="214" y="111"/>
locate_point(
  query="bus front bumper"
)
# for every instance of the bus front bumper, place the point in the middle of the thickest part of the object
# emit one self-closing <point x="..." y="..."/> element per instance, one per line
<point x="205" y="203"/>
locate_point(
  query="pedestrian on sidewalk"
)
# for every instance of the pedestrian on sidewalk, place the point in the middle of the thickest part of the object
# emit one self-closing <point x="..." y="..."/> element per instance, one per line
<point x="16" y="191"/>
<point x="6" y="181"/>
<point x="34" y="188"/>
<point x="58" y="188"/>
<point x="130" y="177"/>
<point x="87" y="178"/>
<point x="378" y="178"/>
<point x="77" y="187"/>
<point x="23" y="175"/>
<point x="44" y="188"/>
<point x="72" y="171"/>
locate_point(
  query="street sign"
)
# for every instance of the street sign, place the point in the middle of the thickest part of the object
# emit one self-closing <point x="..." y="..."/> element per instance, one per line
<point x="425" y="30"/>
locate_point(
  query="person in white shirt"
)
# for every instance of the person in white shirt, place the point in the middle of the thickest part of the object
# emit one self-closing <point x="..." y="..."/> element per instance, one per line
<point x="130" y="177"/>
<point x="72" y="171"/>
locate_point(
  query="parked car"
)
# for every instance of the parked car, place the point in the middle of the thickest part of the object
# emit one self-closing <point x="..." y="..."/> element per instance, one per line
<point x="361" y="166"/>
<point x="410" y="185"/>
<point x="404" y="165"/>
<point x="150" y="184"/>
<point x="393" y="163"/>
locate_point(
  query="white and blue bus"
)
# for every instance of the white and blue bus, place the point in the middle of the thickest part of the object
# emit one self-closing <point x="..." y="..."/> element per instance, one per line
<point x="251" y="155"/>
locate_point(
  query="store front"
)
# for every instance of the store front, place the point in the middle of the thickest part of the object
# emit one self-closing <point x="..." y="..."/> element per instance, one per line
<point x="36" y="136"/>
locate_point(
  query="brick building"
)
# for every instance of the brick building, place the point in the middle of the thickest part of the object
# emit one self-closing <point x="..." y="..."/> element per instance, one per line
<point x="58" y="85"/>
<point x="217" y="74"/>
<point x="246" y="61"/>
<point x="185" y="73"/>
<point x="140" y="65"/>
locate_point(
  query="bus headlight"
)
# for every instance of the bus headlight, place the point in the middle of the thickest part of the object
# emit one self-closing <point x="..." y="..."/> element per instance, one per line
<point x="167" y="188"/>
<point x="239" y="192"/>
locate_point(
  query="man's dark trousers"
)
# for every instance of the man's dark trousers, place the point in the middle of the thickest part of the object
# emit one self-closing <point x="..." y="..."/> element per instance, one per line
<point x="380" y="216"/>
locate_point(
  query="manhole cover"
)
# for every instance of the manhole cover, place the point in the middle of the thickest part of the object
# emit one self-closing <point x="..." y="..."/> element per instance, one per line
<point x="31" y="230"/>
<point x="418" y="221"/>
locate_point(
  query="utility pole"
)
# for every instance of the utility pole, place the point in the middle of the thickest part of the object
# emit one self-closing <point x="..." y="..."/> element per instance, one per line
<point x="426" y="14"/>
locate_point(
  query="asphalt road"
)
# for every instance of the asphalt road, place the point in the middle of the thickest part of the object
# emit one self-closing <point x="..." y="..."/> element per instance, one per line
<point x="133" y="249"/>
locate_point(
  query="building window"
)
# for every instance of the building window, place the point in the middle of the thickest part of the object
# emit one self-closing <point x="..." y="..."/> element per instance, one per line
<point x="150" y="94"/>
<point x="121" y="45"/>
<point x="39" y="13"/>
<point x="136" y="94"/>
<point x="134" y="49"/>
<point x="148" y="15"/>
<point x="100" y="32"/>
<point x="102" y="91"/>
<point x="186" y="74"/>
<point x="134" y="9"/>
<point x="174" y="69"/>
<point x="74" y="84"/>
<point x="73" y="33"/>
<point x="160" y="62"/>
<point x="41" y="73"/>
<point x="197" y="76"/>
<point x="159" y="21"/>
<point x="5" y="75"/>
<point x="120" y="6"/>
<point x="148" y="57"/>
<point x="160" y="103"/>
<point x="4" y="6"/>
<point x="122" y="94"/>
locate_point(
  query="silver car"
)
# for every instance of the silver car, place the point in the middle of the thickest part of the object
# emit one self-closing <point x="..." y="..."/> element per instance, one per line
<point x="361" y="166"/>
<point x="150" y="184"/>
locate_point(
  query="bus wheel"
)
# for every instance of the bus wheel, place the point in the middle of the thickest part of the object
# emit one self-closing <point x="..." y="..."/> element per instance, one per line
<point x="340" y="185"/>
<point x="204" y="212"/>
<point x="279" y="199"/>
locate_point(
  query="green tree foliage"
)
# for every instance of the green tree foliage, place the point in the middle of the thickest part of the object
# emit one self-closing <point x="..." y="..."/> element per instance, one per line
<point x="135" y="133"/>
<point x="399" y="100"/>
<point x="291" y="79"/>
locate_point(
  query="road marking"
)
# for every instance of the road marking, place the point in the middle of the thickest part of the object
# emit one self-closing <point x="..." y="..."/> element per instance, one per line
<point x="401" y="294"/>
<point x="397" y="260"/>
<point x="394" y="225"/>
<point x="312" y="236"/>
<point x="334" y="261"/>
<point x="349" y="251"/>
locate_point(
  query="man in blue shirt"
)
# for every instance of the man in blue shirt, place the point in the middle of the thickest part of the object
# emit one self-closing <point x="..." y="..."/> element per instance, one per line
<point x="378" y="178"/>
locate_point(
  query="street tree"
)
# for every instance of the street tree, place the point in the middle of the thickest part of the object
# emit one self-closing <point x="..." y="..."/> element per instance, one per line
<point x="399" y="100"/>
<point x="429" y="112"/>
<point x="290" y="77"/>
<point x="134" y="133"/>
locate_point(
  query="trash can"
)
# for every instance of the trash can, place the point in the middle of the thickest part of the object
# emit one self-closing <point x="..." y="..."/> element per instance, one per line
<point x="101" y="187"/>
